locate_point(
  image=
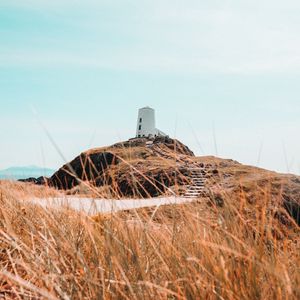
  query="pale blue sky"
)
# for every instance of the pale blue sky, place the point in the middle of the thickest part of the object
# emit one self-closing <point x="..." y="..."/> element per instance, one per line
<point x="87" y="66"/>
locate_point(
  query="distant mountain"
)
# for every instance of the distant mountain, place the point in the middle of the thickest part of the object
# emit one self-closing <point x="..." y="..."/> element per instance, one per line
<point x="16" y="173"/>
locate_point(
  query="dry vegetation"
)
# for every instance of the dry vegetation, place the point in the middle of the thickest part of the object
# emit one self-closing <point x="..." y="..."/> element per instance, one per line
<point x="127" y="169"/>
<point x="204" y="250"/>
<point x="239" y="242"/>
<point x="26" y="191"/>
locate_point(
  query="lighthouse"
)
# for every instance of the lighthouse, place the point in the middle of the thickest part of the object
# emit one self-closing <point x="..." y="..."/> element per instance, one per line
<point x="146" y="124"/>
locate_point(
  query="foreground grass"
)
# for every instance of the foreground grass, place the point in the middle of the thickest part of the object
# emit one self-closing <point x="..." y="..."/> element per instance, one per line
<point x="193" y="251"/>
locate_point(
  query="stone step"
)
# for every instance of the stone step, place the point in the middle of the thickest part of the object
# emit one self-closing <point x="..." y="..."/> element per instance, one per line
<point x="194" y="191"/>
<point x="197" y="187"/>
<point x="193" y="194"/>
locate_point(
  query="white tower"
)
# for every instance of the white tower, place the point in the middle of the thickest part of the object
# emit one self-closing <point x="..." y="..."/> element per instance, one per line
<point x="146" y="124"/>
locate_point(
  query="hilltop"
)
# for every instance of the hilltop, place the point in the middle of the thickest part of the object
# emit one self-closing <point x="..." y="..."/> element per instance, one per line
<point x="17" y="173"/>
<point x="135" y="168"/>
<point x="142" y="168"/>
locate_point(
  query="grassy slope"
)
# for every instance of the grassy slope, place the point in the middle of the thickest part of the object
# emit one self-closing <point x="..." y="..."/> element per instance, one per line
<point x="239" y="243"/>
<point x="194" y="251"/>
<point x="232" y="177"/>
<point x="24" y="191"/>
<point x="233" y="249"/>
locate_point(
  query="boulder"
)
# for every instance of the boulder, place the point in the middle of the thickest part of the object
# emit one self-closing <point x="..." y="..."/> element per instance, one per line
<point x="85" y="167"/>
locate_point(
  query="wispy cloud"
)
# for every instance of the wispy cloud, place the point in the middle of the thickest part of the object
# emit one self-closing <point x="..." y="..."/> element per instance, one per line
<point x="166" y="36"/>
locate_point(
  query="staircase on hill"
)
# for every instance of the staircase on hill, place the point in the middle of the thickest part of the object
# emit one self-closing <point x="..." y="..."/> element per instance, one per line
<point x="197" y="173"/>
<point x="198" y="186"/>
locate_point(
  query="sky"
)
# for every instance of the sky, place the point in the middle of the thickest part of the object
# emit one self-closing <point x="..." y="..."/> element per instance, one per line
<point x="223" y="77"/>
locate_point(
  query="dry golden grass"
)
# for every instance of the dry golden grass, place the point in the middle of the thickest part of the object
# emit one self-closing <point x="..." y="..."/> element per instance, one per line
<point x="192" y="251"/>
<point x="231" y="245"/>
<point x="20" y="190"/>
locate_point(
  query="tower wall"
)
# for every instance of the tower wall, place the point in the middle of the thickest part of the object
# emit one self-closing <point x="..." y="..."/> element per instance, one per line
<point x="146" y="123"/>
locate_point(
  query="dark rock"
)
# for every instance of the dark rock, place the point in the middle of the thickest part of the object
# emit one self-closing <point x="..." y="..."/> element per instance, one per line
<point x="216" y="199"/>
<point x="293" y="209"/>
<point x="226" y="175"/>
<point x="39" y="181"/>
<point x="149" y="184"/>
<point x="296" y="180"/>
<point x="86" y="167"/>
<point x="283" y="217"/>
<point x="42" y="180"/>
<point x="215" y="172"/>
<point x="94" y="166"/>
<point x="29" y="180"/>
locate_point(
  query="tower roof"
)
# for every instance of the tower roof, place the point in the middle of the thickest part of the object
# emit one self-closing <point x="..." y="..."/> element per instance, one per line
<point x="147" y="107"/>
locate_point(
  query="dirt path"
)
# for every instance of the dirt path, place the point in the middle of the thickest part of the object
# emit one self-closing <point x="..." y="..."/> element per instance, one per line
<point x="93" y="206"/>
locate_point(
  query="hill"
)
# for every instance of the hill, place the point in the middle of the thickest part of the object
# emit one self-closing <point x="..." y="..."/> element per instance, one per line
<point x="133" y="168"/>
<point x="142" y="168"/>
<point x="239" y="239"/>
<point x="17" y="173"/>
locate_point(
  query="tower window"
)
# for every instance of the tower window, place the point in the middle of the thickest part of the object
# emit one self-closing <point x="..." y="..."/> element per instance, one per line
<point x="140" y="127"/>
<point x="141" y="120"/>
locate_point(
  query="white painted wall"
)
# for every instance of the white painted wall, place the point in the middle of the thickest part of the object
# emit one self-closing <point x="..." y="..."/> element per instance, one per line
<point x="146" y="122"/>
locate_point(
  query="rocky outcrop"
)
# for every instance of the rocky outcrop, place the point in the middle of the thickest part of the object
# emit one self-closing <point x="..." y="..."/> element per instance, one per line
<point x="38" y="181"/>
<point x="85" y="167"/>
<point x="150" y="183"/>
<point x="292" y="207"/>
<point x="130" y="168"/>
<point x="150" y="168"/>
